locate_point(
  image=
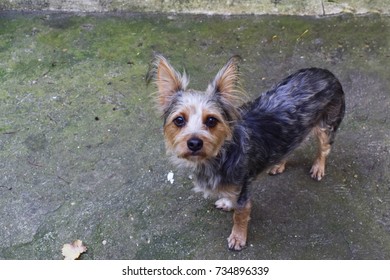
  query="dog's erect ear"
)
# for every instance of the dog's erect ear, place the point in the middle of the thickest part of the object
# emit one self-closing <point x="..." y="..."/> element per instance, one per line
<point x="226" y="83"/>
<point x="226" y="86"/>
<point x="167" y="79"/>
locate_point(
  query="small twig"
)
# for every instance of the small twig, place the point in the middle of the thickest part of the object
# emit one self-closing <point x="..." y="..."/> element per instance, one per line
<point x="66" y="181"/>
<point x="349" y="244"/>
<point x="47" y="72"/>
<point x="303" y="34"/>
<point x="9" y="132"/>
<point x="34" y="164"/>
<point x="51" y="118"/>
<point x="25" y="97"/>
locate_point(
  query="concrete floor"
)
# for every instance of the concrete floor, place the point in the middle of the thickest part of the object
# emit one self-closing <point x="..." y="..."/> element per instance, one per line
<point x="82" y="153"/>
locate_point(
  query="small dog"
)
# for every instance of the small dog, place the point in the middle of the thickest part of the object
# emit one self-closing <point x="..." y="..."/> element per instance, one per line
<point x="227" y="144"/>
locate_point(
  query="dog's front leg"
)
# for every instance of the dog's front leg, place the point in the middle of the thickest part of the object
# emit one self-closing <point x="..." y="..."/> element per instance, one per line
<point x="241" y="217"/>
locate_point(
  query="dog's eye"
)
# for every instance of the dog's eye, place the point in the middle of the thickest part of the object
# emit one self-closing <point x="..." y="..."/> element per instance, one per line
<point x="211" y="122"/>
<point x="179" y="121"/>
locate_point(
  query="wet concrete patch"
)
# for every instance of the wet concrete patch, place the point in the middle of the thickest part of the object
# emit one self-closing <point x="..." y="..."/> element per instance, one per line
<point x="82" y="154"/>
<point x="36" y="142"/>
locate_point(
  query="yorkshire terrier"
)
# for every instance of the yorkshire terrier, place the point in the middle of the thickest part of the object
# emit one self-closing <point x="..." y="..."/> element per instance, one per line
<point x="227" y="144"/>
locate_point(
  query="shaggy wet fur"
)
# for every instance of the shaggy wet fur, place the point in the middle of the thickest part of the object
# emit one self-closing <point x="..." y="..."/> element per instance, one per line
<point x="227" y="145"/>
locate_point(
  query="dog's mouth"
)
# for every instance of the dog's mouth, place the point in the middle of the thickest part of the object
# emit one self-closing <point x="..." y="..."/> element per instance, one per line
<point x="194" y="155"/>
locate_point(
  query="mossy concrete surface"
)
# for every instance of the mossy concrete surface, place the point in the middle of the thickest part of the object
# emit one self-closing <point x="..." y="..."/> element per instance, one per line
<point x="82" y="153"/>
<point x="280" y="7"/>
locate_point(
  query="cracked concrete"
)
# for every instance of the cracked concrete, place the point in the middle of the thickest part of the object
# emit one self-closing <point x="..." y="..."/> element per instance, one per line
<point x="82" y="154"/>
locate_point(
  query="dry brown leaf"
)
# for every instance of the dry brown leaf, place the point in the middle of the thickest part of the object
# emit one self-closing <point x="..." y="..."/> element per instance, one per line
<point x="73" y="250"/>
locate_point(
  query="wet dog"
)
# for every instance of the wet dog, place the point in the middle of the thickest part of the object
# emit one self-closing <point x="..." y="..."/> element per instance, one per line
<point x="227" y="144"/>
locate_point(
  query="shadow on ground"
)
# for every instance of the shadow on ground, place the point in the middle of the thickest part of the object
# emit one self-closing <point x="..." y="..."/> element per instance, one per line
<point x="82" y="153"/>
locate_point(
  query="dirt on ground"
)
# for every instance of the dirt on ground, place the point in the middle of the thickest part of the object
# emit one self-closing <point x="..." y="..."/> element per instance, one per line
<point x="82" y="153"/>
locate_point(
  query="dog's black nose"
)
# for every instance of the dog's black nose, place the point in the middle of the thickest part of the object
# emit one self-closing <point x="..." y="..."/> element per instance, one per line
<point x="195" y="144"/>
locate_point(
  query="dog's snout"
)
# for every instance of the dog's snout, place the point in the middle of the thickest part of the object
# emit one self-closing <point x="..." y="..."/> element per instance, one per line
<point x="195" y="144"/>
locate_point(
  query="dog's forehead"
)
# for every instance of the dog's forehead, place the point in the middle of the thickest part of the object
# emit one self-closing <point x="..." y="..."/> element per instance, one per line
<point x="197" y="101"/>
<point x="194" y="97"/>
<point x="194" y="105"/>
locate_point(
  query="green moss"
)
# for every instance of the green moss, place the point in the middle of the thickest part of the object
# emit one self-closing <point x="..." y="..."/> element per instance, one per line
<point x="77" y="122"/>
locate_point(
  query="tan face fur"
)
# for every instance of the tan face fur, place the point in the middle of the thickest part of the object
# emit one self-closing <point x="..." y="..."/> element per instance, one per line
<point x="202" y="120"/>
<point x="195" y="115"/>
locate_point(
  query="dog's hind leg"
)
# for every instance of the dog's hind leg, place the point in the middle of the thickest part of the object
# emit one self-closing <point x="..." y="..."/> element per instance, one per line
<point x="318" y="169"/>
<point x="325" y="131"/>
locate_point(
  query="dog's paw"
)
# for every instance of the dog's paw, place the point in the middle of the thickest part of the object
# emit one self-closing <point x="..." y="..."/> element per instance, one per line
<point x="317" y="171"/>
<point x="224" y="204"/>
<point x="236" y="242"/>
<point x="277" y="168"/>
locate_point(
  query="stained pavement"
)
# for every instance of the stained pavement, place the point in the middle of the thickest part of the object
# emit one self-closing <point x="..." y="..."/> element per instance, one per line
<point x="82" y="154"/>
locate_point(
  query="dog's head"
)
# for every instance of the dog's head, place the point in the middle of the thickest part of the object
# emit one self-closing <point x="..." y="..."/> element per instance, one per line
<point x="196" y="123"/>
